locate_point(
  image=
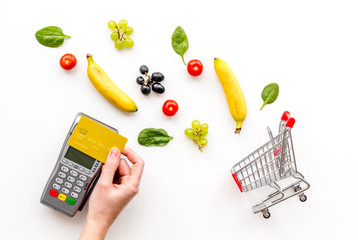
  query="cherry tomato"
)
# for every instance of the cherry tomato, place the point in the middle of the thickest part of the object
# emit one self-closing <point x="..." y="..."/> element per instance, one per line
<point x="170" y="108"/>
<point x="195" y="67"/>
<point x="68" y="61"/>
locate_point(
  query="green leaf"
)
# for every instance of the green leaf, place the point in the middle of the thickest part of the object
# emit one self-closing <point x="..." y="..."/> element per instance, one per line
<point x="180" y="42"/>
<point x="51" y="36"/>
<point x="153" y="137"/>
<point x="269" y="94"/>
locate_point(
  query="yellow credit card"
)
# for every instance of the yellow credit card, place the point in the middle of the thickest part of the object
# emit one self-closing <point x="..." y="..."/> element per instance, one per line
<point x="94" y="139"/>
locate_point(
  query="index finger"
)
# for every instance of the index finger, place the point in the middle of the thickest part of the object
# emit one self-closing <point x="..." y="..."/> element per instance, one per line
<point x="138" y="163"/>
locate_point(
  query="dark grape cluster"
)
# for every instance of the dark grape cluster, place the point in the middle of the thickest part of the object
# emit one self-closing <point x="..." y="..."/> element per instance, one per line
<point x="152" y="82"/>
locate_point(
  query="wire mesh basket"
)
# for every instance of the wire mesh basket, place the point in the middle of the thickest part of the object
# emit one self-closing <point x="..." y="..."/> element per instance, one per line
<point x="270" y="163"/>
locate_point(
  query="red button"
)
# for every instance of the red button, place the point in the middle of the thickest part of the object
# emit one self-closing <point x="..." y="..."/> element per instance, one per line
<point x="53" y="193"/>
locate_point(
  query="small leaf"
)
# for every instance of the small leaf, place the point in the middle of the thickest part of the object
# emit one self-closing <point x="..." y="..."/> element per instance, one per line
<point x="51" y="36"/>
<point x="269" y="94"/>
<point x="180" y="42"/>
<point x="153" y="137"/>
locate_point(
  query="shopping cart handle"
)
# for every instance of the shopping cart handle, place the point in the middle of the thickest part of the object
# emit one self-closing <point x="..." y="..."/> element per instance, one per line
<point x="290" y="123"/>
<point x="285" y="116"/>
<point x="236" y="180"/>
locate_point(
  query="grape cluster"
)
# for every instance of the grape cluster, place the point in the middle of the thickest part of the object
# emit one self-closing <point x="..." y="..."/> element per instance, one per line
<point x="120" y="34"/>
<point x="152" y="82"/>
<point x="197" y="133"/>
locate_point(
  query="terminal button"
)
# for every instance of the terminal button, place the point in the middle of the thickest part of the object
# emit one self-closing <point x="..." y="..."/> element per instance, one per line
<point x="71" y="201"/>
<point x="65" y="191"/>
<point x="74" y="195"/>
<point x="83" y="177"/>
<point x="62" y="197"/>
<point x="77" y="189"/>
<point x="74" y="173"/>
<point x="53" y="193"/>
<point x="59" y="180"/>
<point x="80" y="183"/>
<point x="61" y="174"/>
<point x="65" y="169"/>
<point x="71" y="179"/>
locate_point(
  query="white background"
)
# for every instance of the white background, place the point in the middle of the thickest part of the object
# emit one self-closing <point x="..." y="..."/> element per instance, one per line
<point x="310" y="48"/>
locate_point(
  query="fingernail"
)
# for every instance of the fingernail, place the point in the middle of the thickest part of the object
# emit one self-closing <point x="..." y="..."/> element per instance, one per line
<point x="114" y="152"/>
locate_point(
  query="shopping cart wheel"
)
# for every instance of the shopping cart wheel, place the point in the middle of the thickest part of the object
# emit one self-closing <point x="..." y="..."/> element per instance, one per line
<point x="303" y="198"/>
<point x="266" y="214"/>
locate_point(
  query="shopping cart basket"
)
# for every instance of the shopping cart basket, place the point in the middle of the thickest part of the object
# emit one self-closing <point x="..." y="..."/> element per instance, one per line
<point x="273" y="161"/>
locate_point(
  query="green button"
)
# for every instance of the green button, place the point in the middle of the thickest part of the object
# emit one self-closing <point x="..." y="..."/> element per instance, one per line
<point x="71" y="201"/>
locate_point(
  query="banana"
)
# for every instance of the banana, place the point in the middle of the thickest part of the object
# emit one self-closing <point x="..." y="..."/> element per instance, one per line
<point x="107" y="88"/>
<point x="233" y="92"/>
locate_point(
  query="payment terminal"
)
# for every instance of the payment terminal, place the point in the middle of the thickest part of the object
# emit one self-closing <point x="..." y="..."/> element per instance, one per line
<point x="74" y="176"/>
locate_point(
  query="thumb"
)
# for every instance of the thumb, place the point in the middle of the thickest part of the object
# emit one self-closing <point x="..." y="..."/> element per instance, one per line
<point x="110" y="167"/>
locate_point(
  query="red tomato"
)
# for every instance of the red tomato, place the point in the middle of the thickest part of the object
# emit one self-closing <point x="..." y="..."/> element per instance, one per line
<point x="68" y="61"/>
<point x="195" y="67"/>
<point x="170" y="108"/>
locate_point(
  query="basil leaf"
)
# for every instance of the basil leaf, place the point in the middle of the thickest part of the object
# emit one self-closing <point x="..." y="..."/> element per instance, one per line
<point x="269" y="94"/>
<point x="51" y="36"/>
<point x="153" y="137"/>
<point x="180" y="42"/>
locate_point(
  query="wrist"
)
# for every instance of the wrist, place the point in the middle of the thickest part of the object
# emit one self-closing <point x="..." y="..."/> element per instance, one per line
<point x="94" y="230"/>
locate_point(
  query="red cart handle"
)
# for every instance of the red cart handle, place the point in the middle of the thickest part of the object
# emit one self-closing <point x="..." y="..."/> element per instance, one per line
<point x="290" y="121"/>
<point x="285" y="116"/>
<point x="236" y="180"/>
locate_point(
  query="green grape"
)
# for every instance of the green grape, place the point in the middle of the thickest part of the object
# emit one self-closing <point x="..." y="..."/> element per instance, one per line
<point x="118" y="44"/>
<point x="189" y="132"/>
<point x="203" y="142"/>
<point x="204" y="127"/>
<point x="112" y="24"/>
<point x="123" y="23"/>
<point x="128" y="42"/>
<point x="195" y="124"/>
<point x="129" y="31"/>
<point x="195" y="139"/>
<point x="114" y="36"/>
<point x="203" y="133"/>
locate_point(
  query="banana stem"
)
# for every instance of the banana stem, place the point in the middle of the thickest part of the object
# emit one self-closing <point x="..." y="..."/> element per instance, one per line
<point x="238" y="127"/>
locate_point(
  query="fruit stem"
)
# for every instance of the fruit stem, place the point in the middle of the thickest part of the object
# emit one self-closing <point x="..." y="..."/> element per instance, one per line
<point x="148" y="80"/>
<point x="238" y="127"/>
<point x="120" y="37"/>
<point x="238" y="130"/>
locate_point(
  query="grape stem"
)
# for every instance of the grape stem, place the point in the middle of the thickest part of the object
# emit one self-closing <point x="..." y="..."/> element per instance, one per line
<point x="120" y="37"/>
<point x="148" y="80"/>
<point x="197" y="133"/>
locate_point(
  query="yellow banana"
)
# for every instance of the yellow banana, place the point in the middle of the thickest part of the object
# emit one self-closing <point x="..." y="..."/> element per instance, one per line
<point x="107" y="88"/>
<point x="233" y="92"/>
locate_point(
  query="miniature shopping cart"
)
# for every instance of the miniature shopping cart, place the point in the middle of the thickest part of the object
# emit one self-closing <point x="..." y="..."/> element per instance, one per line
<point x="272" y="162"/>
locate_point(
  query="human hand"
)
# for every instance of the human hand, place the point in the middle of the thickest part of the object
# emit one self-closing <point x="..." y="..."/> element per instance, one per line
<point x="115" y="188"/>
